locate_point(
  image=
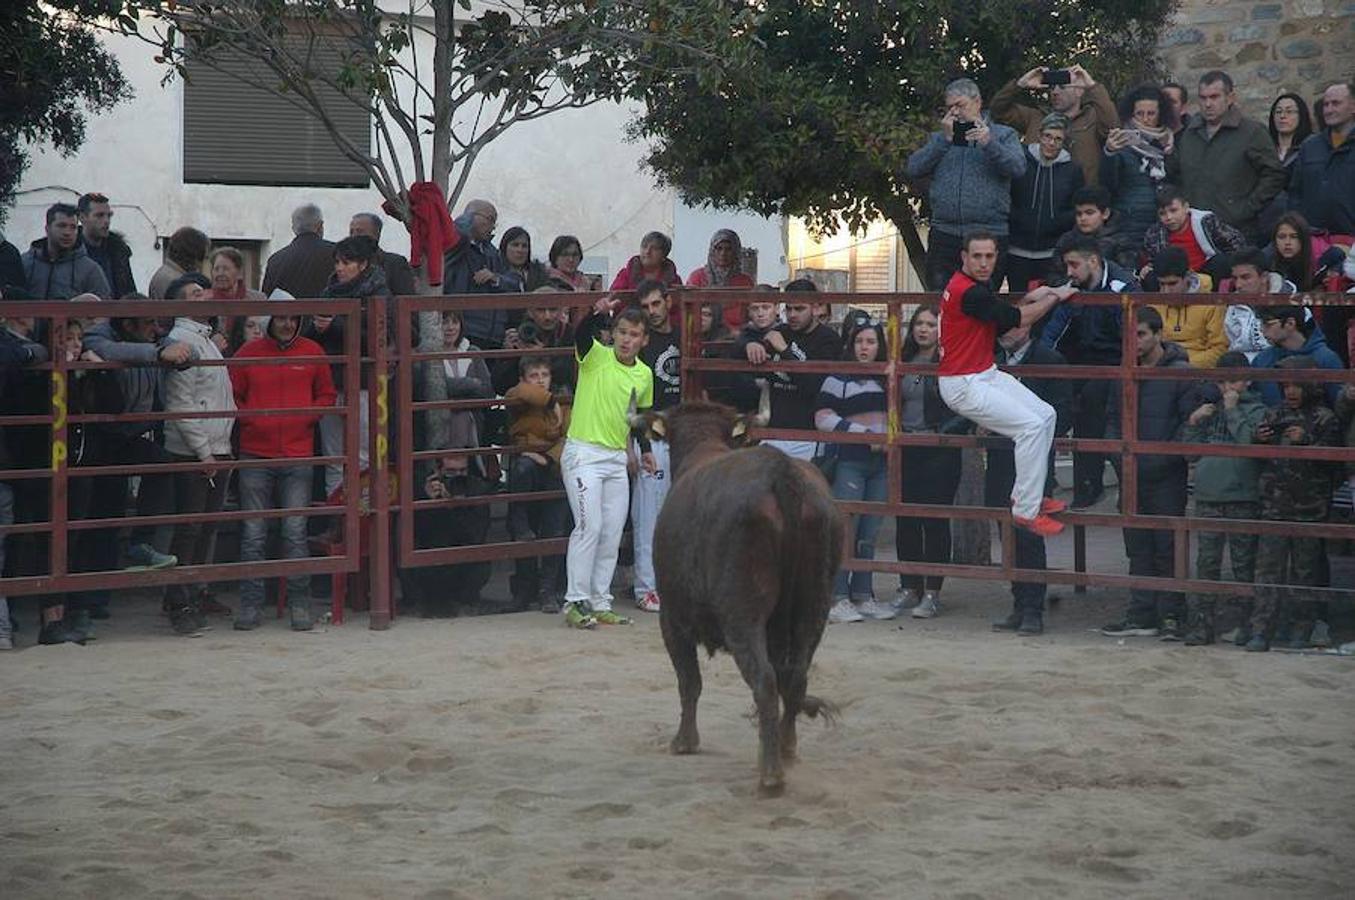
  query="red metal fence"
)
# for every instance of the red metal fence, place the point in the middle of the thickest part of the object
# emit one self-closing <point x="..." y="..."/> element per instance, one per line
<point x="394" y="361"/>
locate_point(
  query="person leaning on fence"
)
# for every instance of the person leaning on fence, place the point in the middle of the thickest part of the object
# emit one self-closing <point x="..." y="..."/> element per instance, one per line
<point x="1225" y="488"/>
<point x="1163" y="406"/>
<point x="593" y="463"/>
<point x="1293" y="490"/>
<point x="662" y="352"/>
<point x="197" y="388"/>
<point x="857" y="404"/>
<point x="1292" y="331"/>
<point x="538" y="422"/>
<point x="1197" y="327"/>
<point x="971" y="319"/>
<point x="282" y="485"/>
<point x="1016" y="349"/>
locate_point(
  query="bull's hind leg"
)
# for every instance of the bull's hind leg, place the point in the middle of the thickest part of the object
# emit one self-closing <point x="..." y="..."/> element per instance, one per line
<point x="793" y="681"/>
<point x="758" y="671"/>
<point x="682" y="651"/>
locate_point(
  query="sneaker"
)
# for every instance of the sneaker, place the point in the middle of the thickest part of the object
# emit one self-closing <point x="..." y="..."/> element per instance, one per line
<point x="1052" y="507"/>
<point x="843" y="611"/>
<point x="550" y="605"/>
<point x="80" y="622"/>
<point x="579" y="615"/>
<point x="1041" y="525"/>
<point x="184" y="620"/>
<point x="928" y="606"/>
<point x="1170" y="630"/>
<point x="141" y="557"/>
<point x="301" y="617"/>
<point x="874" y="609"/>
<point x="649" y="602"/>
<point x="1127" y="628"/>
<point x="248" y="619"/>
<point x="1321" y="634"/>
<point x="1242" y="636"/>
<point x="905" y="598"/>
<point x="56" y="633"/>
<point x="607" y="617"/>
<point x="1199" y="636"/>
<point x="1011" y="623"/>
<point x="1032" y="623"/>
<point x="1257" y="644"/>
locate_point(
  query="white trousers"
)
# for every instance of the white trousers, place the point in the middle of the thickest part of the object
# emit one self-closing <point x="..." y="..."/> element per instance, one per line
<point x="647" y="496"/>
<point x="1005" y="406"/>
<point x="331" y="442"/>
<point x="599" y="492"/>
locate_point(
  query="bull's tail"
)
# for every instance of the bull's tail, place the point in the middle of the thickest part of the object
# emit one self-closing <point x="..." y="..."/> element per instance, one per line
<point x="817" y="706"/>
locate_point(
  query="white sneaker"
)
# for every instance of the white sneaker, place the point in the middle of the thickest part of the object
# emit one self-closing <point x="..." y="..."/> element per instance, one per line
<point x="874" y="609"/>
<point x="928" y="606"/>
<point x="904" y="598"/>
<point x="843" y="611"/>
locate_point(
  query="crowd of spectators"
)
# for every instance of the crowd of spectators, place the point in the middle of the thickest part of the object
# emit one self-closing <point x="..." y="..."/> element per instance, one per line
<point x="1148" y="196"/>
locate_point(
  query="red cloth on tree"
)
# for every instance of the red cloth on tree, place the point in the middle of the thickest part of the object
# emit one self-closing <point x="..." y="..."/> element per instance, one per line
<point x="432" y="233"/>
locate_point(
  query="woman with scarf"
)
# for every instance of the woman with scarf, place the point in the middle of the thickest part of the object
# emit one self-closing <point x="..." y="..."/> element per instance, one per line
<point x="1135" y="163"/>
<point x="228" y="283"/>
<point x="566" y="255"/>
<point x="1042" y="206"/>
<point x="724" y="269"/>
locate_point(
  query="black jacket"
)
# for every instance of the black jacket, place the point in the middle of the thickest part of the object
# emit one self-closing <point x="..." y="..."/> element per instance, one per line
<point x="484" y="328"/>
<point x="1090" y="335"/>
<point x="1164" y="407"/>
<point x="11" y="269"/>
<point x="302" y="268"/>
<point x="1042" y="201"/>
<point x="794" y="397"/>
<point x="115" y="258"/>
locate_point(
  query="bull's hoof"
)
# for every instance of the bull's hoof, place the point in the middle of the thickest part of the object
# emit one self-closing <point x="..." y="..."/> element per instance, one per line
<point x="683" y="745"/>
<point x="771" y="786"/>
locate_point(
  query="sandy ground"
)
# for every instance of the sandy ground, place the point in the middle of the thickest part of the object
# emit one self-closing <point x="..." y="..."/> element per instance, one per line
<point x="505" y="756"/>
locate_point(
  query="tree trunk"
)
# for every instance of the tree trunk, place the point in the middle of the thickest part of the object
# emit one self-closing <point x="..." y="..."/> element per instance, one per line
<point x="971" y="539"/>
<point x="438" y="422"/>
<point x="444" y="36"/>
<point x="900" y="212"/>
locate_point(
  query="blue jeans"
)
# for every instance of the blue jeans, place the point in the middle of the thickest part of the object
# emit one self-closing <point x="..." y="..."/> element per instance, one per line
<point x="276" y="487"/>
<point x="860" y="480"/>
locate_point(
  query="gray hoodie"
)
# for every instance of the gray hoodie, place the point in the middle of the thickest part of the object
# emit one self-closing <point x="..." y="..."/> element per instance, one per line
<point x="971" y="186"/>
<point x="70" y="274"/>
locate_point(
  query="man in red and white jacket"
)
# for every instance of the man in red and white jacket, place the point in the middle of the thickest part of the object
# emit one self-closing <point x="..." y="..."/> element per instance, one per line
<point x="282" y="486"/>
<point x="972" y="317"/>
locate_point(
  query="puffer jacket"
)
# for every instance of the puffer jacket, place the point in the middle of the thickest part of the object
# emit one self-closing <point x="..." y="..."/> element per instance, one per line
<point x="195" y="389"/>
<point x="1163" y="407"/>
<point x="1316" y="347"/>
<point x="1042" y="202"/>
<point x="1198" y="329"/>
<point x="68" y="275"/>
<point x="1133" y="190"/>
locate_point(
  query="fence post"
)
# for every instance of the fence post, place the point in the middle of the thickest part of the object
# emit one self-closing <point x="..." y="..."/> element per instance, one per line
<point x="379" y="398"/>
<point x="58" y="557"/>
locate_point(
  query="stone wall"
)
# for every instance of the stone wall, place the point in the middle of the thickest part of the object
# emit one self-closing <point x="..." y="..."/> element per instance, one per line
<point x="1267" y="46"/>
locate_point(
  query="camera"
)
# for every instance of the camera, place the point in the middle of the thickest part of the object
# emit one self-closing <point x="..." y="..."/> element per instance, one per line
<point x="529" y="332"/>
<point x="959" y="132"/>
<point x="1057" y="76"/>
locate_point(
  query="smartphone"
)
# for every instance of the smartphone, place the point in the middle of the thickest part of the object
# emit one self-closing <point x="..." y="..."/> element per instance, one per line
<point x="1057" y="76"/>
<point x="959" y="132"/>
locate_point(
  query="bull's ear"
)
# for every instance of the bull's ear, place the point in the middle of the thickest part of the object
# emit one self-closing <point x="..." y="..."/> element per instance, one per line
<point x="650" y="424"/>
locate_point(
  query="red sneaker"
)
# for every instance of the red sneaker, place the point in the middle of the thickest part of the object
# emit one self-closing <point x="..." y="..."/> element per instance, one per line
<point x="1051" y="507"/>
<point x="1041" y="525"/>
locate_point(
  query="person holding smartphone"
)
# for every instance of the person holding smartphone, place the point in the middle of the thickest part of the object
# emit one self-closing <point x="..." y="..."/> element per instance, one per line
<point x="1074" y="94"/>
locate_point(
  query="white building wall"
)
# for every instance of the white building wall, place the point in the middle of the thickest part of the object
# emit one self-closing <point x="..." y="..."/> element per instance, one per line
<point x="571" y="172"/>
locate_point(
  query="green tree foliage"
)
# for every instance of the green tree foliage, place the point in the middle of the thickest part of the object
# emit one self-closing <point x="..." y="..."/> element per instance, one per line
<point x="819" y="104"/>
<point x="53" y="73"/>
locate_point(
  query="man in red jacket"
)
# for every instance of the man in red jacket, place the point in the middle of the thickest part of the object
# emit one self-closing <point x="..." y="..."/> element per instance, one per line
<point x="281" y="486"/>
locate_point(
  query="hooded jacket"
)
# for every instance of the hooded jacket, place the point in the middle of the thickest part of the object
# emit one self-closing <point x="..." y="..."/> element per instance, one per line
<point x="1042" y="203"/>
<point x="1163" y="407"/>
<point x="1214" y="235"/>
<point x="1223" y="479"/>
<point x="114" y="257"/>
<point x="198" y="389"/>
<point x="63" y="277"/>
<point x="1198" y="329"/>
<point x="1087" y="129"/>
<point x="971" y="185"/>
<point x="1315" y="347"/>
<point x="276" y="386"/>
<point x="1235" y="173"/>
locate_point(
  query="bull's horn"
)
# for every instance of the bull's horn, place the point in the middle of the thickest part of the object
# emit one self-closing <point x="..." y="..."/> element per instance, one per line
<point x="633" y="417"/>
<point x="764" y="407"/>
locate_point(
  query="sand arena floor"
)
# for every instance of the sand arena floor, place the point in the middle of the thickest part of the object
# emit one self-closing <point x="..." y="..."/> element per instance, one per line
<point x="505" y="756"/>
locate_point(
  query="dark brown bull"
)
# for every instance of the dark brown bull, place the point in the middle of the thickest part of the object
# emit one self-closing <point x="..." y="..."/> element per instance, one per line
<point x="745" y="551"/>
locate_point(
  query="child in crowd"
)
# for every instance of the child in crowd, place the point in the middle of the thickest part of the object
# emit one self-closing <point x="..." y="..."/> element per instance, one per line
<point x="1225" y="488"/>
<point x="1093" y="217"/>
<point x="1293" y="490"/>
<point x="538" y="422"/>
<point x="1206" y="238"/>
<point x="593" y="463"/>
